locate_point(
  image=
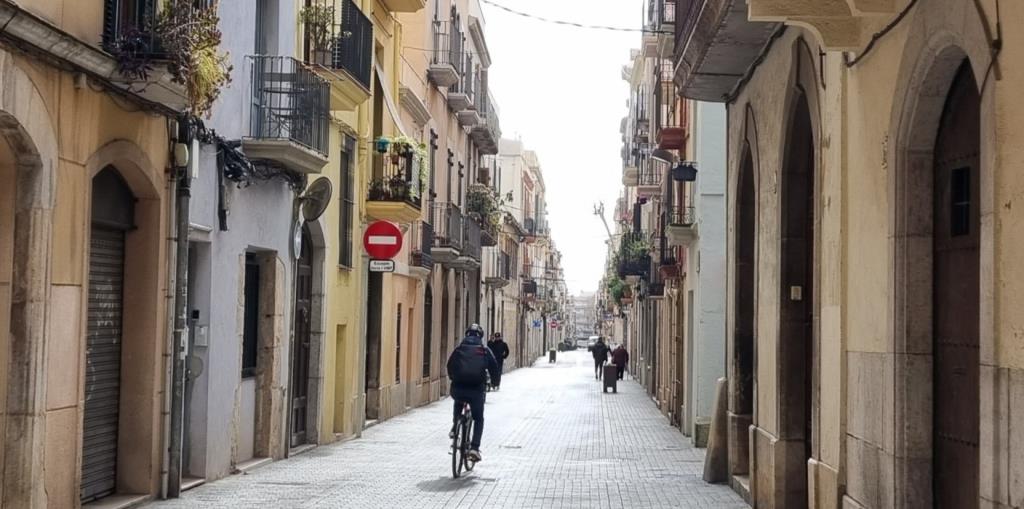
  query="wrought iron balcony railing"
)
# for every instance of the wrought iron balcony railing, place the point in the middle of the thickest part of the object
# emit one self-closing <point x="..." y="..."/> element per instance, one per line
<point x="680" y="215"/>
<point x="129" y="25"/>
<point x="661" y="14"/>
<point x="471" y="246"/>
<point x="339" y="36"/>
<point x="289" y="102"/>
<point x="422" y="241"/>
<point x="448" y="222"/>
<point x="396" y="178"/>
<point x="448" y="46"/>
<point x="652" y="174"/>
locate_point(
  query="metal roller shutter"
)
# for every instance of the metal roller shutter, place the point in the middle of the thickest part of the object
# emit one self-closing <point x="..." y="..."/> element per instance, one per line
<point x="103" y="364"/>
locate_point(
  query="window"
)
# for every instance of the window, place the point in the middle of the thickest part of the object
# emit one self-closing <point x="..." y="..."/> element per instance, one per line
<point x="451" y="166"/>
<point x="347" y="197"/>
<point x="251" y="316"/>
<point x="960" y="206"/>
<point x="433" y="163"/>
<point x="398" y="346"/>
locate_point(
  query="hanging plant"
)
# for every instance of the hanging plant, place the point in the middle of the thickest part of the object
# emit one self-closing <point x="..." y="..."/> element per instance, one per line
<point x="191" y="39"/>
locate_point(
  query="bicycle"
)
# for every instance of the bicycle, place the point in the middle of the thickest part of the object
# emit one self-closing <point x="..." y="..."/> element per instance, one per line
<point x="461" y="443"/>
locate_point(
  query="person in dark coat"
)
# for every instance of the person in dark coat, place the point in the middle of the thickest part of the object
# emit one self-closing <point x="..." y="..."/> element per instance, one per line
<point x="500" y="350"/>
<point x="600" y="353"/>
<point x="468" y="367"/>
<point x="620" y="357"/>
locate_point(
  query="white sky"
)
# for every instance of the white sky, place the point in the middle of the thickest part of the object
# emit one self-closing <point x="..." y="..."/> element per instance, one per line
<point x="560" y="89"/>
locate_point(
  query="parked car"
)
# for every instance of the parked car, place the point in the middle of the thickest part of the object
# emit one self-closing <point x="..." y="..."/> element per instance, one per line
<point x="582" y="343"/>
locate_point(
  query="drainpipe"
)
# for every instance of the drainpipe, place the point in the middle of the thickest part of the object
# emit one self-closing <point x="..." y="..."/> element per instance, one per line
<point x="183" y="197"/>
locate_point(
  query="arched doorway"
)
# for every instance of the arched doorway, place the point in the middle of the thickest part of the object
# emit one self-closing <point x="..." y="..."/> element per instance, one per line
<point x="741" y="400"/>
<point x="113" y="216"/>
<point x="302" y="342"/>
<point x="956" y="240"/>
<point x="797" y="380"/>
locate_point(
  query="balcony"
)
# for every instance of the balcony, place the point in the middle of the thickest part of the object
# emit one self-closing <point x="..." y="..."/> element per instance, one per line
<point x="404" y="5"/>
<point x="469" y="258"/>
<point x="681" y="225"/>
<point x="661" y="19"/>
<point x="630" y="175"/>
<point x="499" y="269"/>
<point x="396" y="189"/>
<point x="289" y="122"/>
<point x="650" y="178"/>
<point x="422" y="261"/>
<point x="461" y="95"/>
<point x="487" y="133"/>
<point x="484" y="207"/>
<point x="715" y="45"/>
<point x="448" y="222"/>
<point x="634" y="256"/>
<point x="126" y="31"/>
<point x="338" y="44"/>
<point x="471" y="117"/>
<point x="446" y="59"/>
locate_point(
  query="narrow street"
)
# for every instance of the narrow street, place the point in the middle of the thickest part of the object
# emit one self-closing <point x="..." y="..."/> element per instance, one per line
<point x="551" y="440"/>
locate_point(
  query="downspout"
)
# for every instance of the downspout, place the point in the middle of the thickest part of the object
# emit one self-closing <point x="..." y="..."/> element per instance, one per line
<point x="165" y="416"/>
<point x="183" y="197"/>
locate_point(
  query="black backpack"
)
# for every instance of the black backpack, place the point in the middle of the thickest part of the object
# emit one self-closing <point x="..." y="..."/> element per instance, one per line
<point x="468" y="365"/>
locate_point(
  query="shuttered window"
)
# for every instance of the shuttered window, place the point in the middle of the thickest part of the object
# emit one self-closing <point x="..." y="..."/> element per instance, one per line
<point x="348" y="202"/>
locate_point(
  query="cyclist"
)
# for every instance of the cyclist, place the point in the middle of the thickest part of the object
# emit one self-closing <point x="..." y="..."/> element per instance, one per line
<point x="468" y="367"/>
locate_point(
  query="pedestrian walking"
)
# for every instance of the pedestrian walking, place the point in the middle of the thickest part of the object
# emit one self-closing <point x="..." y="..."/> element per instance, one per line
<point x="500" y="350"/>
<point x="620" y="357"/>
<point x="600" y="353"/>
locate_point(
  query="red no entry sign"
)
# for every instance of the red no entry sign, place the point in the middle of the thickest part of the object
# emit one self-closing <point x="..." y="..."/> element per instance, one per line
<point x="382" y="240"/>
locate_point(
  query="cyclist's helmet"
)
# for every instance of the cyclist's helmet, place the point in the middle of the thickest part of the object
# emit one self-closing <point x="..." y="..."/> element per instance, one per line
<point x="475" y="330"/>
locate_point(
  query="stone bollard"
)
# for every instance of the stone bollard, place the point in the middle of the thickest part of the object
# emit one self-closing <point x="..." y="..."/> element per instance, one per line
<point x="717" y="457"/>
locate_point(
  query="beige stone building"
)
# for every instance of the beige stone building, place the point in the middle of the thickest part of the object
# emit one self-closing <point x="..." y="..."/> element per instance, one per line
<point x="873" y="333"/>
<point x="85" y="242"/>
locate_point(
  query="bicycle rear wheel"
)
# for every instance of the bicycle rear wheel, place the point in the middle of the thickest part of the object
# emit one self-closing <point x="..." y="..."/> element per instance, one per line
<point x="458" y="454"/>
<point x="466" y="446"/>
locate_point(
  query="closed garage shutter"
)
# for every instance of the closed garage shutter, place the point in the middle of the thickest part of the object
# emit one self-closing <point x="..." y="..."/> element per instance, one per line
<point x="102" y="364"/>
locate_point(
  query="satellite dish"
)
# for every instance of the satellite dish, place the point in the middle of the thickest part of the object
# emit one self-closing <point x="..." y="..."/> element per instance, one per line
<point x="315" y="200"/>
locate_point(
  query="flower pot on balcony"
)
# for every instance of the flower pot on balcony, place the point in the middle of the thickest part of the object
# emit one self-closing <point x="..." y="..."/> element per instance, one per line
<point x="322" y="57"/>
<point x="684" y="172"/>
<point x="672" y="138"/>
<point x="382" y="145"/>
<point x="669" y="269"/>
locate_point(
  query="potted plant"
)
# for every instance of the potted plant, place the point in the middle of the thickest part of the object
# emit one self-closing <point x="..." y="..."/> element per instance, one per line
<point x="685" y="171"/>
<point x="382" y="144"/>
<point x="318" y="20"/>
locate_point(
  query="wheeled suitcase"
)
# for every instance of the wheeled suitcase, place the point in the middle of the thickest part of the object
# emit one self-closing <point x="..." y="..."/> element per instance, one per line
<point x="611" y="378"/>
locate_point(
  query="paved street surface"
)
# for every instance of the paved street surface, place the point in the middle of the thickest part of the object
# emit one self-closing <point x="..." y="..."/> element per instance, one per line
<point x="551" y="440"/>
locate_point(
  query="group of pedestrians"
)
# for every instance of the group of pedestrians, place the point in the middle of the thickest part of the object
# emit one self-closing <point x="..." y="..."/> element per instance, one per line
<point x="601" y="352"/>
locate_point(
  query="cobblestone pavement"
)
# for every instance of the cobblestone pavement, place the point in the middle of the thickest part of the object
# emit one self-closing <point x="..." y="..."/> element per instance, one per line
<point x="551" y="440"/>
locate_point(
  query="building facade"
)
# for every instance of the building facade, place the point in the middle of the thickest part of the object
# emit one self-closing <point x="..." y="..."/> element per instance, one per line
<point x="665" y="285"/>
<point x="872" y="359"/>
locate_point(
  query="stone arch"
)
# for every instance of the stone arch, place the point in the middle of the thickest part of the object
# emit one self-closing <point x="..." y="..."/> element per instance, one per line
<point x="797" y="421"/>
<point x="25" y="125"/>
<point x="742" y="346"/>
<point x="318" y="322"/>
<point x="928" y="69"/>
<point x="144" y="330"/>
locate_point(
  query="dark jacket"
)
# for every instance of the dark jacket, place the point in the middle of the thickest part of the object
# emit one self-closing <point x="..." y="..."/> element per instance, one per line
<point x="499" y="348"/>
<point x="600" y="351"/>
<point x="620" y="357"/>
<point x="473" y="345"/>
